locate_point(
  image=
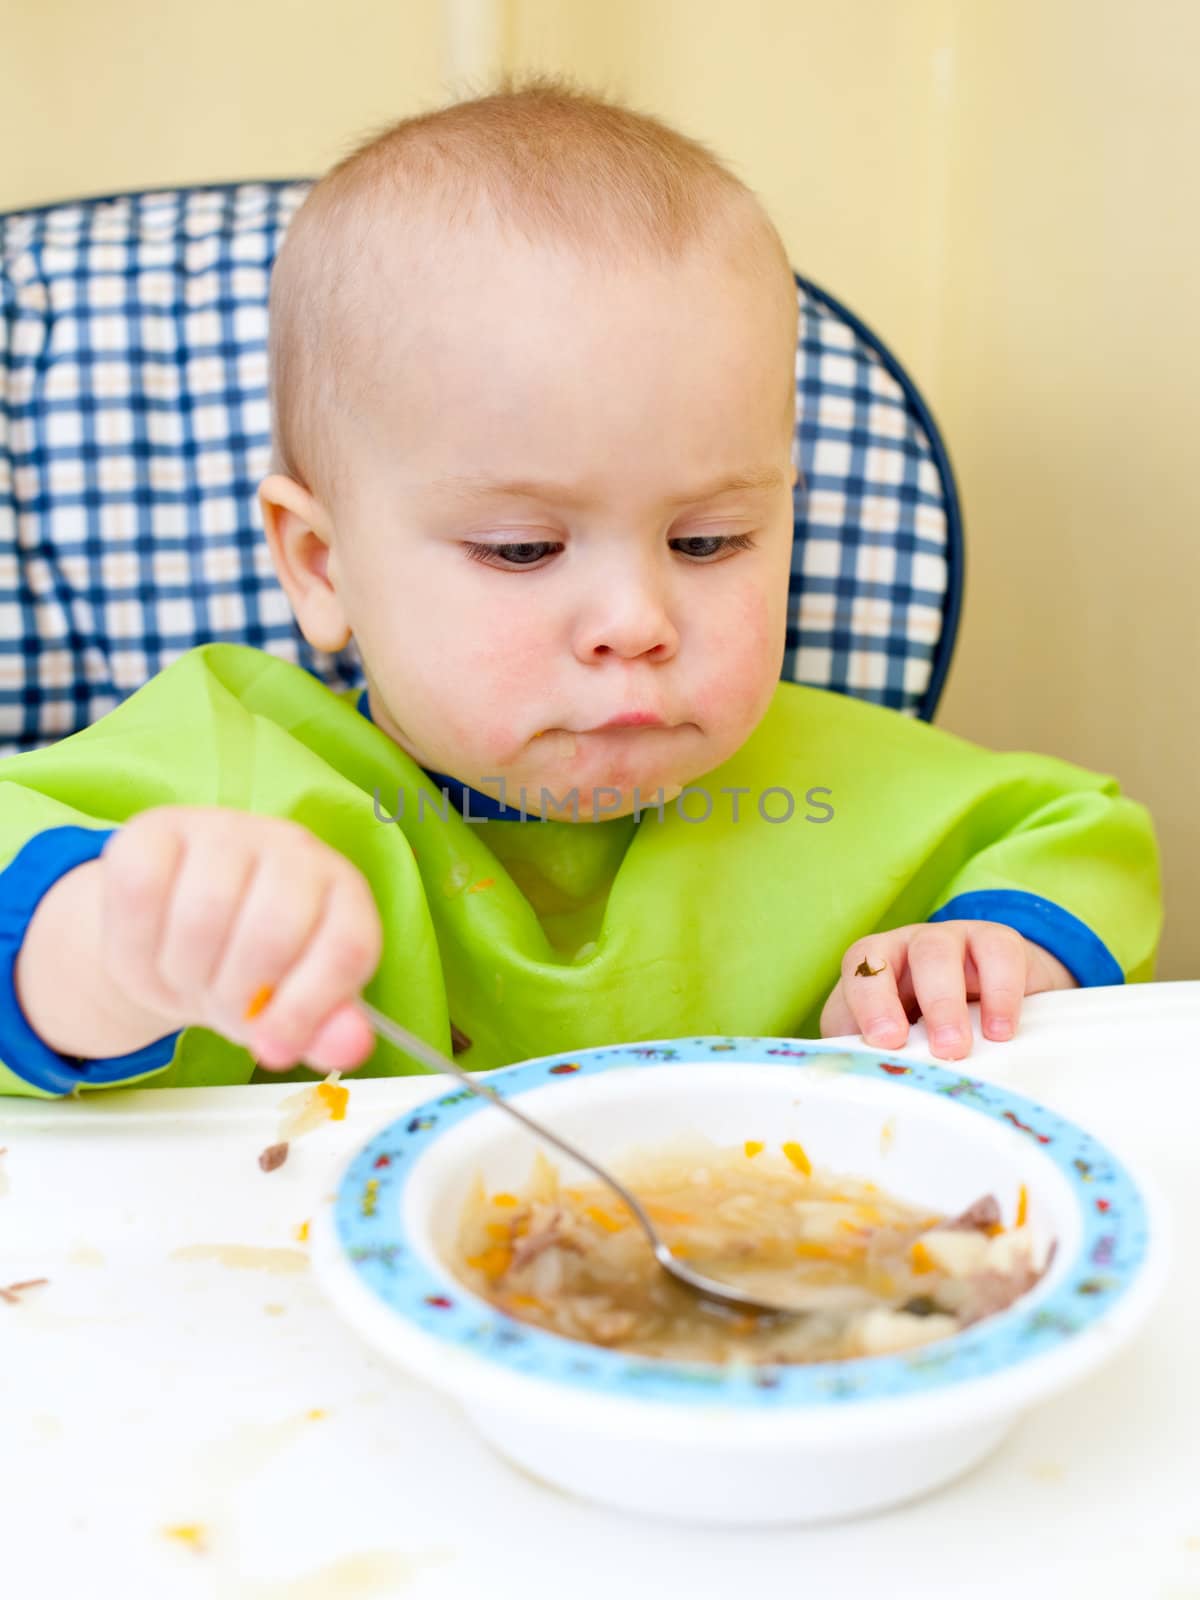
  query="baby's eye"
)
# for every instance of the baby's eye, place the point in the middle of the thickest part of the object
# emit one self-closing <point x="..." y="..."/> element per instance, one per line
<point x="515" y="555"/>
<point x="698" y="546"/>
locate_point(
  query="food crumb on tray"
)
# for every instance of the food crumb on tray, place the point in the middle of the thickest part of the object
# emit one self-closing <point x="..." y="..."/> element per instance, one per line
<point x="12" y="1292"/>
<point x="318" y="1103"/>
<point x="273" y="1156"/>
<point x="192" y="1534"/>
<point x="260" y="1258"/>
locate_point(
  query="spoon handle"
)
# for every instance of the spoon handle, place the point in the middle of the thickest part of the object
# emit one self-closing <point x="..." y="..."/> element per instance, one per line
<point x="411" y="1045"/>
<point x="708" y="1287"/>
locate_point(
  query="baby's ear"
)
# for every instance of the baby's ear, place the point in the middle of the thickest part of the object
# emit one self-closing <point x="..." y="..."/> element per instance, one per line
<point x="299" y="533"/>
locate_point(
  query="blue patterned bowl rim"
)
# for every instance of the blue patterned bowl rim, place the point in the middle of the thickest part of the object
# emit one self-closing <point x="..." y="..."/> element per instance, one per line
<point x="1112" y="1249"/>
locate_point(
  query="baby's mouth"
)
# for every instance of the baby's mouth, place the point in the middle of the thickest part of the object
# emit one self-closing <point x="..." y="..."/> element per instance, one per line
<point x="566" y="741"/>
<point x="621" y="738"/>
<point x="568" y="751"/>
<point x="614" y="730"/>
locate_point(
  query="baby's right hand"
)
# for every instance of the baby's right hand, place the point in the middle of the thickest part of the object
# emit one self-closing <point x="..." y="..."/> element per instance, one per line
<point x="205" y="910"/>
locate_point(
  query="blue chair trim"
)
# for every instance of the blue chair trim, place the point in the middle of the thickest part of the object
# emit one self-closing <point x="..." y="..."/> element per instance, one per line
<point x="956" y="559"/>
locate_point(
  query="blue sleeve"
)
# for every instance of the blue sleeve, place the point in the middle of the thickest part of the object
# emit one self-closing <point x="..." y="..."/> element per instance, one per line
<point x="32" y="871"/>
<point x="1084" y="954"/>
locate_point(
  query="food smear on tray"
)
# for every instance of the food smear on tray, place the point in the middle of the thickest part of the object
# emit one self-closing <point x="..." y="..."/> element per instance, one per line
<point x="868" y="1273"/>
<point x="320" y="1102"/>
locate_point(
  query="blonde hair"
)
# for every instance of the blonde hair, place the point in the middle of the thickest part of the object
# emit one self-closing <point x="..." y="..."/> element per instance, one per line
<point x="552" y="162"/>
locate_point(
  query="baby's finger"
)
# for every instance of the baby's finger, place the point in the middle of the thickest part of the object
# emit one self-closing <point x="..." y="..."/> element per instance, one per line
<point x="836" y="1018"/>
<point x="342" y="1043"/>
<point x="141" y="862"/>
<point x="936" y="957"/>
<point x="280" y="912"/>
<point x="334" y="965"/>
<point x="207" y="892"/>
<point x="870" y="985"/>
<point x="1001" y="958"/>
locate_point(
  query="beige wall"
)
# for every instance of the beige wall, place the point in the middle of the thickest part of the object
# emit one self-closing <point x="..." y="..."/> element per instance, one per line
<point x="1001" y="187"/>
<point x="1067" y="382"/>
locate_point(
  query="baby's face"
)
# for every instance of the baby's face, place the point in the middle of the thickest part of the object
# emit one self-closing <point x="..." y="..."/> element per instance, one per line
<point x="571" y="502"/>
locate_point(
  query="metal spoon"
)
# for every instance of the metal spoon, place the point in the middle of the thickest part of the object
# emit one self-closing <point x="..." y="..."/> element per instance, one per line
<point x="710" y="1288"/>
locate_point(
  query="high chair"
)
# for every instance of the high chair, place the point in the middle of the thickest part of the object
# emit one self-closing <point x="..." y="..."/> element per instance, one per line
<point x="134" y="431"/>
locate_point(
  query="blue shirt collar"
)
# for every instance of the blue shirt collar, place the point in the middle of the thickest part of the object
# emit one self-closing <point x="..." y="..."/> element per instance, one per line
<point x="463" y="798"/>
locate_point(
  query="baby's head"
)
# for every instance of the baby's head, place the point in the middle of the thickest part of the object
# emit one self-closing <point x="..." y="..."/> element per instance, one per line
<point x="532" y="377"/>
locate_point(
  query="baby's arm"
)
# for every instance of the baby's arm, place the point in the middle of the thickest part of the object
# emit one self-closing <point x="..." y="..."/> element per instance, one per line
<point x="209" y="734"/>
<point x="188" y="917"/>
<point x="84" y="1016"/>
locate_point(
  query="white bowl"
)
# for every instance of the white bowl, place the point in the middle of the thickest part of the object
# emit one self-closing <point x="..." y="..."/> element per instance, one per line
<point x="722" y="1445"/>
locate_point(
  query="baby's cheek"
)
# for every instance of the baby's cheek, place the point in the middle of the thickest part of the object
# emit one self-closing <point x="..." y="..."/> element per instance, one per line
<point x="505" y="685"/>
<point x="742" y="663"/>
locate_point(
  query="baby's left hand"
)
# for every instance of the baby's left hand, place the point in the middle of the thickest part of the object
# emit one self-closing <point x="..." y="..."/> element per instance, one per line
<point x="931" y="969"/>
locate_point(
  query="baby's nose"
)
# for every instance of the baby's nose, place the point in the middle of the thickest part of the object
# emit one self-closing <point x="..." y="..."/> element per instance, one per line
<point x="631" y="621"/>
<point x="655" y="652"/>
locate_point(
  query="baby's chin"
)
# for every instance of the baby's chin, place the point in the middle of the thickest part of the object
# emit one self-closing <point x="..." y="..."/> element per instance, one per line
<point x="603" y="803"/>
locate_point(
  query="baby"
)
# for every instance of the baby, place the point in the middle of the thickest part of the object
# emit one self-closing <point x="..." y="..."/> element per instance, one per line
<point x="533" y="401"/>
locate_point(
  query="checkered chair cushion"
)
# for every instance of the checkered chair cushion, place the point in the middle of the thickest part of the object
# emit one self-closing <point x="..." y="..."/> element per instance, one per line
<point x="134" y="431"/>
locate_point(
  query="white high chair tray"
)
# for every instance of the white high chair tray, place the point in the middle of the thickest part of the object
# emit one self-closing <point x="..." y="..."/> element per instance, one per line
<point x="182" y="1414"/>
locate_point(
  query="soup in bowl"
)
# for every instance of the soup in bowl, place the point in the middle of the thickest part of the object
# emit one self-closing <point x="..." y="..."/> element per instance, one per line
<point x="860" y="1271"/>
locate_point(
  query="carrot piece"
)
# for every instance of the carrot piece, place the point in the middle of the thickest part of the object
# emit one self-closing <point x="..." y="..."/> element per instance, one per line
<point x="796" y="1155"/>
<point x="922" y="1261"/>
<point x="503" y="1199"/>
<point x="603" y="1219"/>
<point x="814" y="1250"/>
<point x="189" y="1533"/>
<point x="753" y="1147"/>
<point x="259" y="1001"/>
<point x="335" y="1096"/>
<point x="661" y="1213"/>
<point x="841" y="1250"/>
<point x="493" y="1262"/>
<point x="1022" y="1206"/>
